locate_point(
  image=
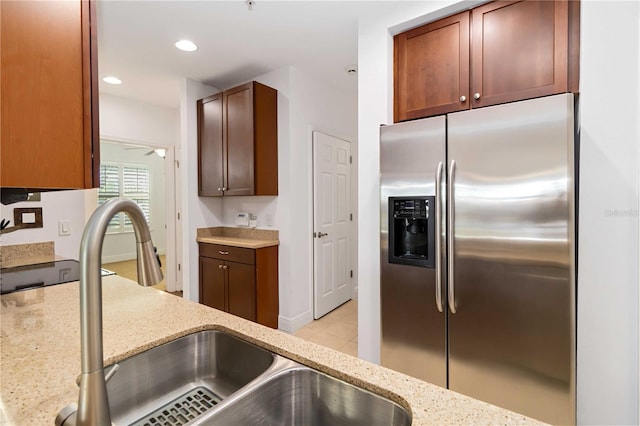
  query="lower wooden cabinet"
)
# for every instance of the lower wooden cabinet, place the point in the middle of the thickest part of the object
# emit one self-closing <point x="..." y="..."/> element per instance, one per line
<point x="241" y="281"/>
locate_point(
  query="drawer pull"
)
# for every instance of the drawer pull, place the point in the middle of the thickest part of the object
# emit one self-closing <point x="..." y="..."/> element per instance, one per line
<point x="224" y="253"/>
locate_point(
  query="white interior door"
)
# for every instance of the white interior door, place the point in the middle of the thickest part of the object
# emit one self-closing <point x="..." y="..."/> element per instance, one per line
<point x="331" y="219"/>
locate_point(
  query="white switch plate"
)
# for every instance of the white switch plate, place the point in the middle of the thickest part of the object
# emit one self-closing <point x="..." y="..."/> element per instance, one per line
<point x="64" y="227"/>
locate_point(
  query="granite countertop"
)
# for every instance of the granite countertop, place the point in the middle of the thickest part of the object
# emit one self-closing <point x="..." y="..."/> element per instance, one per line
<point x="40" y="353"/>
<point x="238" y="237"/>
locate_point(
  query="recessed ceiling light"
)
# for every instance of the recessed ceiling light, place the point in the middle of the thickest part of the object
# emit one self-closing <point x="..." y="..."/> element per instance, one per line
<point x="186" y="45"/>
<point x="112" y="80"/>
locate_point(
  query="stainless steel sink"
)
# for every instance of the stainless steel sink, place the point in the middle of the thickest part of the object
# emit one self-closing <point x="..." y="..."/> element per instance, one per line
<point x="184" y="378"/>
<point x="211" y="377"/>
<point x="302" y="396"/>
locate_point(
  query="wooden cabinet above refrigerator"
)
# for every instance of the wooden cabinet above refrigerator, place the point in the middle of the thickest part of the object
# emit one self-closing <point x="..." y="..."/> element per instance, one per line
<point x="499" y="52"/>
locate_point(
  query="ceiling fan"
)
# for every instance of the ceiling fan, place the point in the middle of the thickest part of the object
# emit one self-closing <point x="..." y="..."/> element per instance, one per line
<point x="160" y="151"/>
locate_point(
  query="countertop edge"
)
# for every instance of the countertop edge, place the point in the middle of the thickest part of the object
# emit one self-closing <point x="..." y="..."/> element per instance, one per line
<point x="239" y="242"/>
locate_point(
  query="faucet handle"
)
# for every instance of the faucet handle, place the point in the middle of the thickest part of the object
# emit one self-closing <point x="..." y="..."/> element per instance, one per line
<point x="107" y="376"/>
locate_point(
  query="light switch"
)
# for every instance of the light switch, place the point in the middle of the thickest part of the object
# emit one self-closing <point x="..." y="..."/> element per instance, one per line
<point x="64" y="227"/>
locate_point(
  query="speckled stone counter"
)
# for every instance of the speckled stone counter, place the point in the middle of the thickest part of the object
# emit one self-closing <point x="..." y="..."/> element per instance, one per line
<point x="238" y="237"/>
<point x="40" y="353"/>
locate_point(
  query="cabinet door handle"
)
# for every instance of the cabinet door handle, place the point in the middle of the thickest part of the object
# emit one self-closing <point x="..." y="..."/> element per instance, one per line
<point x="220" y="266"/>
<point x="463" y="99"/>
<point x="476" y="96"/>
<point x="224" y="253"/>
<point x="225" y="267"/>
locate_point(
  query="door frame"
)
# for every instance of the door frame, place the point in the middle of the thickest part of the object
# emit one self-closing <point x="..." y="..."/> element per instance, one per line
<point x="173" y="231"/>
<point x="352" y="223"/>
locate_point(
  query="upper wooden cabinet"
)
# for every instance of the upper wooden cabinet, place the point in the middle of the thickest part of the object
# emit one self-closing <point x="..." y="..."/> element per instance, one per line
<point x="432" y="68"/>
<point x="238" y="142"/>
<point x="500" y="52"/>
<point x="50" y="137"/>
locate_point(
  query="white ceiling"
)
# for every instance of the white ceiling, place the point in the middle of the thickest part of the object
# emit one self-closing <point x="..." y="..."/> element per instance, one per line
<point x="136" y="43"/>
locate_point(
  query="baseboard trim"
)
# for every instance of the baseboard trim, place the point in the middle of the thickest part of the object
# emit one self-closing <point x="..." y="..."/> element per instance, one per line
<point x="291" y="325"/>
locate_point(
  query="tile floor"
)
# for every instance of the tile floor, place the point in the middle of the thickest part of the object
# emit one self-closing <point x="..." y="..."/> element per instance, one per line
<point x="336" y="330"/>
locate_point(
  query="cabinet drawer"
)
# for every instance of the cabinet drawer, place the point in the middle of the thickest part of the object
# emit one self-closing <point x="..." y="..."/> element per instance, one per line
<point x="233" y="254"/>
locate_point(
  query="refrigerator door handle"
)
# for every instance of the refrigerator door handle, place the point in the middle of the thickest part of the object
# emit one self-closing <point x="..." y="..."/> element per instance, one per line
<point x="438" y="237"/>
<point x="450" y="237"/>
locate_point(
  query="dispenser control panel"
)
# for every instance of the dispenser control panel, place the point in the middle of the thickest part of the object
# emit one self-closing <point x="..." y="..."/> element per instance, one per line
<point x="411" y="209"/>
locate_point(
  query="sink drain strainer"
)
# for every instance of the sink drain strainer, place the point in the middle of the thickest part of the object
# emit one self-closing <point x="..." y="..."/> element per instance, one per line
<point x="181" y="410"/>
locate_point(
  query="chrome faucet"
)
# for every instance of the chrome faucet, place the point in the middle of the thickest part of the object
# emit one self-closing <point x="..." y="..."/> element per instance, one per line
<point x="93" y="404"/>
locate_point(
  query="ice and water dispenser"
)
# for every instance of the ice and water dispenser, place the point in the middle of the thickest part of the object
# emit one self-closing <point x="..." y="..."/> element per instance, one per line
<point x="411" y="231"/>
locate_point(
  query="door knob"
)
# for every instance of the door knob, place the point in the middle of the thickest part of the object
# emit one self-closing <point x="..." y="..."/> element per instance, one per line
<point x="476" y="96"/>
<point x="322" y="234"/>
<point x="463" y="99"/>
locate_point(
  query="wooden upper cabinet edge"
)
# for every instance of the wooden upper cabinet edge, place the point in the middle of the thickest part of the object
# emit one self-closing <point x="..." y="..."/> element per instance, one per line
<point x="91" y="115"/>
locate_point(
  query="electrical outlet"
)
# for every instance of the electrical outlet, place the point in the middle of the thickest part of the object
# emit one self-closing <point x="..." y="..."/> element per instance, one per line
<point x="269" y="220"/>
<point x="242" y="219"/>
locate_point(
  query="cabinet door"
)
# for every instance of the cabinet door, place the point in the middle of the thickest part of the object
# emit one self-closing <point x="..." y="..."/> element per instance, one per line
<point x="432" y="69"/>
<point x="519" y="51"/>
<point x="241" y="290"/>
<point x="212" y="283"/>
<point x="210" y="148"/>
<point x="238" y="143"/>
<point x="49" y="95"/>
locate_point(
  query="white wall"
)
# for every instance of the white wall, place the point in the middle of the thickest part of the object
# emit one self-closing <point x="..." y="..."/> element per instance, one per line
<point x="122" y="246"/>
<point x="608" y="218"/>
<point x="608" y="247"/>
<point x="197" y="212"/>
<point x="56" y="206"/>
<point x="129" y="120"/>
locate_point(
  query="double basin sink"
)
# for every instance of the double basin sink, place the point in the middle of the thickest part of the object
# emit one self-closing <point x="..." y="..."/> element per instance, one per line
<point x="214" y="378"/>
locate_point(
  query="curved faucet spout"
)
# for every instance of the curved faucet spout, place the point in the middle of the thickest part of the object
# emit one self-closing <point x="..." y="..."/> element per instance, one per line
<point x="93" y="405"/>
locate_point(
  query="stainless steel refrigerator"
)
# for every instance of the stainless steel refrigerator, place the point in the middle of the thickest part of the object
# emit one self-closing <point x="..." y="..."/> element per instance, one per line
<point x="478" y="254"/>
